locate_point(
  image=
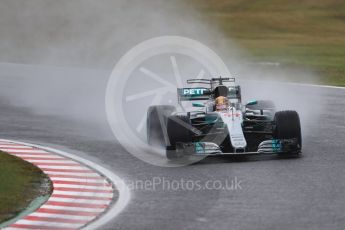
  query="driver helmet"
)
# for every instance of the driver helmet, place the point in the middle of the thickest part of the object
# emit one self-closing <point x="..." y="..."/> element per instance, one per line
<point x="222" y="103"/>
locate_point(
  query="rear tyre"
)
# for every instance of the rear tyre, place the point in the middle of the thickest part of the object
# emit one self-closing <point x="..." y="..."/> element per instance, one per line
<point x="288" y="126"/>
<point x="178" y="129"/>
<point x="156" y="124"/>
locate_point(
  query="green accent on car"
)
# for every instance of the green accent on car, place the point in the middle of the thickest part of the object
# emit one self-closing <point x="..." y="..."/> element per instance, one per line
<point x="252" y="102"/>
<point x="276" y="145"/>
<point x="199" y="148"/>
<point x="198" y="104"/>
<point x="211" y="119"/>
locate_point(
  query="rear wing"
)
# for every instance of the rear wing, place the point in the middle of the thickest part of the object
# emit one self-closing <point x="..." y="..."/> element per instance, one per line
<point x="203" y="93"/>
<point x="200" y="93"/>
<point x="220" y="80"/>
<point x="193" y="94"/>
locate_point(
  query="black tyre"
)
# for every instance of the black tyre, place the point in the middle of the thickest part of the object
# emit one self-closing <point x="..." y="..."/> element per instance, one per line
<point x="171" y="153"/>
<point x="156" y="124"/>
<point x="262" y="105"/>
<point x="179" y="130"/>
<point x="288" y="126"/>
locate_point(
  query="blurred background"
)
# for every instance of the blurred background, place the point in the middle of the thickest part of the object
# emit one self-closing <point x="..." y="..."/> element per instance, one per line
<point x="299" y="35"/>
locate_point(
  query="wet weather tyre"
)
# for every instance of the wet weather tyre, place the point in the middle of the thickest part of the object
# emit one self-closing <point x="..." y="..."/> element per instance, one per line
<point x="171" y="153"/>
<point x="179" y="130"/>
<point x="156" y="124"/>
<point x="288" y="126"/>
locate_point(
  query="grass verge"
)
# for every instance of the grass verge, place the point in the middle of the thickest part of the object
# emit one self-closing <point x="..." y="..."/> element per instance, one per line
<point x="300" y="33"/>
<point x="20" y="183"/>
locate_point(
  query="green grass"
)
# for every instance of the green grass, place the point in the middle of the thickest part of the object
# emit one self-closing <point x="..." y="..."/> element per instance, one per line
<point x="301" y="33"/>
<point x="20" y="183"/>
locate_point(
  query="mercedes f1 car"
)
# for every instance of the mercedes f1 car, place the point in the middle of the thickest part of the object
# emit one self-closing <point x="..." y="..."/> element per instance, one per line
<point x="212" y="120"/>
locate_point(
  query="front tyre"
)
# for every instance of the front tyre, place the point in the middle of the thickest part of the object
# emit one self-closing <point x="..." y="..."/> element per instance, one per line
<point x="179" y="131"/>
<point x="288" y="126"/>
<point x="156" y="123"/>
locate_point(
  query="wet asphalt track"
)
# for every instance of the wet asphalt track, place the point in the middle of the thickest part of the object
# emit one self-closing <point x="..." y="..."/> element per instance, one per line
<point x="299" y="193"/>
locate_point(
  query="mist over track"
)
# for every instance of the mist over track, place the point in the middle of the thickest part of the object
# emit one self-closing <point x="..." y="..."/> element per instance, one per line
<point x="302" y="193"/>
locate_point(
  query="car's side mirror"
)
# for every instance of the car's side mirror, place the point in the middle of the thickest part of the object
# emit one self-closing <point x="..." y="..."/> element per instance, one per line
<point x="198" y="104"/>
<point x="253" y="102"/>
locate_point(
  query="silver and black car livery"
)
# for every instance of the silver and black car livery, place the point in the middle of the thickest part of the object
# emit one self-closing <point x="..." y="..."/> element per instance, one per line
<point x="211" y="120"/>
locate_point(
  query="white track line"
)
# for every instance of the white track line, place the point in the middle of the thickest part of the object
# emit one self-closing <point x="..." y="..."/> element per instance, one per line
<point x="79" y="209"/>
<point x="39" y="224"/>
<point x="23" y="155"/>
<point x="318" y="86"/>
<point x="61" y="167"/>
<point x="294" y="83"/>
<point x="100" y="180"/>
<point x="57" y="199"/>
<point x="80" y="186"/>
<point x="42" y="214"/>
<point x="24" y="150"/>
<point x="108" y="195"/>
<point x="77" y="196"/>
<point x="14" y="146"/>
<point x="37" y="161"/>
<point x="71" y="173"/>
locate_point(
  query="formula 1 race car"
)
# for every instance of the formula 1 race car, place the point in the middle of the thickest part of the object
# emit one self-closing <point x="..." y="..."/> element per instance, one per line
<point x="215" y="122"/>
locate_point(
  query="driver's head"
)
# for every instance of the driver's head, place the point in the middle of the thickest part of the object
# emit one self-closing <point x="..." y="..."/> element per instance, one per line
<point x="222" y="103"/>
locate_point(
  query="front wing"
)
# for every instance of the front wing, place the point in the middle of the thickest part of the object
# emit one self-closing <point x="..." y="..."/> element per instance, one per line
<point x="274" y="146"/>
